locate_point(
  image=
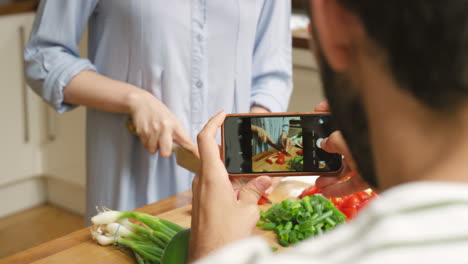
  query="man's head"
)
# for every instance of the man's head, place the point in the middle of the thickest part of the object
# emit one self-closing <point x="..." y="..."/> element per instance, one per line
<point x="373" y="55"/>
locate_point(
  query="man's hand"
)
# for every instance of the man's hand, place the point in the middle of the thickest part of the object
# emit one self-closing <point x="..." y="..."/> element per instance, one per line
<point x="331" y="186"/>
<point x="223" y="211"/>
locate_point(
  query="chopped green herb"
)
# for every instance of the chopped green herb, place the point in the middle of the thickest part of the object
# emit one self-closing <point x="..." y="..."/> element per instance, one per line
<point x="296" y="220"/>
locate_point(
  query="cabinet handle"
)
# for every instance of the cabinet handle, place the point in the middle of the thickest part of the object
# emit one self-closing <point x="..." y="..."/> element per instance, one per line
<point x="50" y="125"/>
<point x="26" y="135"/>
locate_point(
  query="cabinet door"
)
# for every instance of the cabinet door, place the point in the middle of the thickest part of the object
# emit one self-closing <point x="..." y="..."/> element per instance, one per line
<point x="65" y="157"/>
<point x="19" y="155"/>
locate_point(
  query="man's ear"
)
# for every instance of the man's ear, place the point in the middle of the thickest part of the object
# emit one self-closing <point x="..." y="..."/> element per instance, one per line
<point x="335" y="27"/>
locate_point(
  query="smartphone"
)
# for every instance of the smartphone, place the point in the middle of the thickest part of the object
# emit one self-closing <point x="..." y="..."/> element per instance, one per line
<point x="279" y="144"/>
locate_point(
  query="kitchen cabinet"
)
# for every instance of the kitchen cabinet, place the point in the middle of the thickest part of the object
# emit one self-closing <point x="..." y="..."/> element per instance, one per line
<point x="42" y="156"/>
<point x="19" y="106"/>
<point x="64" y="159"/>
<point x="20" y="115"/>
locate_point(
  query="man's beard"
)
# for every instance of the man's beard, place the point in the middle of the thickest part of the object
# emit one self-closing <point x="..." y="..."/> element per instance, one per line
<point x="350" y="117"/>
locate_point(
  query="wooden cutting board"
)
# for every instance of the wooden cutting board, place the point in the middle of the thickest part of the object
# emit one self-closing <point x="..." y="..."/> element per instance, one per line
<point x="285" y="190"/>
<point x="261" y="165"/>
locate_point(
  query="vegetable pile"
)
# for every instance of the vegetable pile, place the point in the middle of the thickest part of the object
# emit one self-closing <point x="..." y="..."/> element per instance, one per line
<point x="349" y="205"/>
<point x="277" y="158"/>
<point x="147" y="240"/>
<point x="296" y="220"/>
<point x="296" y="163"/>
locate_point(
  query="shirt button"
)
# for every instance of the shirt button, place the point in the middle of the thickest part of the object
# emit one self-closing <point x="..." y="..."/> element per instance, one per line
<point x="200" y="37"/>
<point x="199" y="84"/>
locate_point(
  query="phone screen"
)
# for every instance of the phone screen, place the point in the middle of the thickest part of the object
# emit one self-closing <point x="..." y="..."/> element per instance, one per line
<point x="269" y="144"/>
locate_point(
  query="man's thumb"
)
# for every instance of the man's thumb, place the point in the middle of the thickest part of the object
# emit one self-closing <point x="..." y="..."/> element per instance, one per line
<point x="254" y="189"/>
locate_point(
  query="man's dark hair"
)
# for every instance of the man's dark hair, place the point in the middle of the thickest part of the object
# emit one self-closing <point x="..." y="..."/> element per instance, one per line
<point x="426" y="42"/>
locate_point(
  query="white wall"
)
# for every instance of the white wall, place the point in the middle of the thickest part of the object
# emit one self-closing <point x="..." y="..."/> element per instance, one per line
<point x="307" y="91"/>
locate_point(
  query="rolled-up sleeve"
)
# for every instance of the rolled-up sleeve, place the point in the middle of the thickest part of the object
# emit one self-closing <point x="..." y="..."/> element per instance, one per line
<point x="51" y="57"/>
<point x="272" y="66"/>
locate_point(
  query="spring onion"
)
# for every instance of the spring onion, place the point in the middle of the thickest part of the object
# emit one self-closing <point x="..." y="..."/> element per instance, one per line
<point x="147" y="239"/>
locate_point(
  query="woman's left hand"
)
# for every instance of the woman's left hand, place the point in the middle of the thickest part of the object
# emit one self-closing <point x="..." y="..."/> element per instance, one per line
<point x="286" y="142"/>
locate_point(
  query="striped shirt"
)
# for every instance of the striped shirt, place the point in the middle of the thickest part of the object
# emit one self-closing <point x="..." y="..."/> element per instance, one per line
<point x="425" y="222"/>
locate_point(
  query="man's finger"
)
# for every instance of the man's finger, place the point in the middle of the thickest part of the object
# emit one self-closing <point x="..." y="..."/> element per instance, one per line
<point x="236" y="185"/>
<point x="335" y="143"/>
<point x="322" y="107"/>
<point x="325" y="181"/>
<point x="209" y="150"/>
<point x="351" y="186"/>
<point x="274" y="183"/>
<point x="254" y="189"/>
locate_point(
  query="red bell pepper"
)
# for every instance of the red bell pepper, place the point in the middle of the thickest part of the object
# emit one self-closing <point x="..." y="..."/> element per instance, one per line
<point x="280" y="161"/>
<point x="263" y="199"/>
<point x="269" y="160"/>
<point x="311" y="190"/>
<point x="349" y="205"/>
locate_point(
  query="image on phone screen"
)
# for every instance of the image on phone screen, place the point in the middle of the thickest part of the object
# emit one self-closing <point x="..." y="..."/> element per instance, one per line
<point x="269" y="144"/>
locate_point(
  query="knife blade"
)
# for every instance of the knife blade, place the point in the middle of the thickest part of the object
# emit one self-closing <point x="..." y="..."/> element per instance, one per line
<point x="277" y="147"/>
<point x="186" y="159"/>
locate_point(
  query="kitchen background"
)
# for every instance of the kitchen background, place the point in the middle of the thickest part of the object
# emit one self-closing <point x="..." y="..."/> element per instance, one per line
<point x="42" y="157"/>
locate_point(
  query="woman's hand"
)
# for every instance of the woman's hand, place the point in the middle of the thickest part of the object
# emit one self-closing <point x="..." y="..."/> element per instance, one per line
<point x="331" y="186"/>
<point x="261" y="133"/>
<point x="157" y="126"/>
<point x="286" y="142"/>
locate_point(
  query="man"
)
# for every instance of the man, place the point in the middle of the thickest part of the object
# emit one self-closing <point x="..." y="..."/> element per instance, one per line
<point x="395" y="74"/>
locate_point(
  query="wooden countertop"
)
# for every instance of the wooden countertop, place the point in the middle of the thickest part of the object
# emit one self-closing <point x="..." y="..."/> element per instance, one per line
<point x="60" y="245"/>
<point x="78" y="247"/>
<point x="10" y="7"/>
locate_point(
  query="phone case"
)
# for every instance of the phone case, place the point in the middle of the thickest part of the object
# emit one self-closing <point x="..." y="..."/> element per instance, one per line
<point x="274" y="174"/>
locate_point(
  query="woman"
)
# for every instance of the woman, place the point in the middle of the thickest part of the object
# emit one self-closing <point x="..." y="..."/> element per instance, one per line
<point x="169" y="65"/>
<point x="274" y="130"/>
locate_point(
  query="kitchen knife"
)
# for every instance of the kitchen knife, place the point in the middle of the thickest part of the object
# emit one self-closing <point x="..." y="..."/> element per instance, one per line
<point x="277" y="147"/>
